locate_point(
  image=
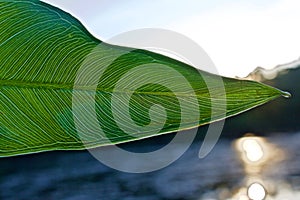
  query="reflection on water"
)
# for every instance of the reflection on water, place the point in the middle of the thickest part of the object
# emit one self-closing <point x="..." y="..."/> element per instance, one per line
<point x="257" y="154"/>
<point x="256" y="191"/>
<point x="257" y="168"/>
<point x="253" y="150"/>
<point x="261" y="161"/>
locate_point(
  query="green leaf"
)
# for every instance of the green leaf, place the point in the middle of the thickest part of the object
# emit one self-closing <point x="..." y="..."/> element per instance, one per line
<point x="63" y="89"/>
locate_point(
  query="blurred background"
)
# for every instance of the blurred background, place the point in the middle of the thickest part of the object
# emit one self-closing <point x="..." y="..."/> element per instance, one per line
<point x="257" y="156"/>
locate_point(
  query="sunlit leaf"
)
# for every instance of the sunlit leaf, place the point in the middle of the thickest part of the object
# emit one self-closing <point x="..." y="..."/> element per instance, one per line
<point x="55" y="75"/>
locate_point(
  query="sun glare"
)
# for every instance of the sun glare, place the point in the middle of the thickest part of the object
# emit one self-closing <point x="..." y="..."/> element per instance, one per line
<point x="253" y="150"/>
<point x="256" y="192"/>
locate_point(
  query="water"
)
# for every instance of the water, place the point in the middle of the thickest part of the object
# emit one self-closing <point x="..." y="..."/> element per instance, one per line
<point x="286" y="94"/>
<point x="236" y="169"/>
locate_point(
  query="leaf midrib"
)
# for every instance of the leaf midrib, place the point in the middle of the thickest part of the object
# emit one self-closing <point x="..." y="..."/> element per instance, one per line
<point x="86" y="88"/>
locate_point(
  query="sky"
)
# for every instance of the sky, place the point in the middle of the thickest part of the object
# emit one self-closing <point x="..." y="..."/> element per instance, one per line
<point x="237" y="35"/>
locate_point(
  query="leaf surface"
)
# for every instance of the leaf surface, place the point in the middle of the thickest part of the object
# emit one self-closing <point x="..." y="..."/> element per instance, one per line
<point x="63" y="89"/>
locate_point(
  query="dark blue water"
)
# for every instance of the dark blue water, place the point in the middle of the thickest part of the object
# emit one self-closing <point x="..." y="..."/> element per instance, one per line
<point x="223" y="174"/>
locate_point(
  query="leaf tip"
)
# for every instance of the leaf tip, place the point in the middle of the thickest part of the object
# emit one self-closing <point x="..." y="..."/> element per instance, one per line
<point x="286" y="94"/>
